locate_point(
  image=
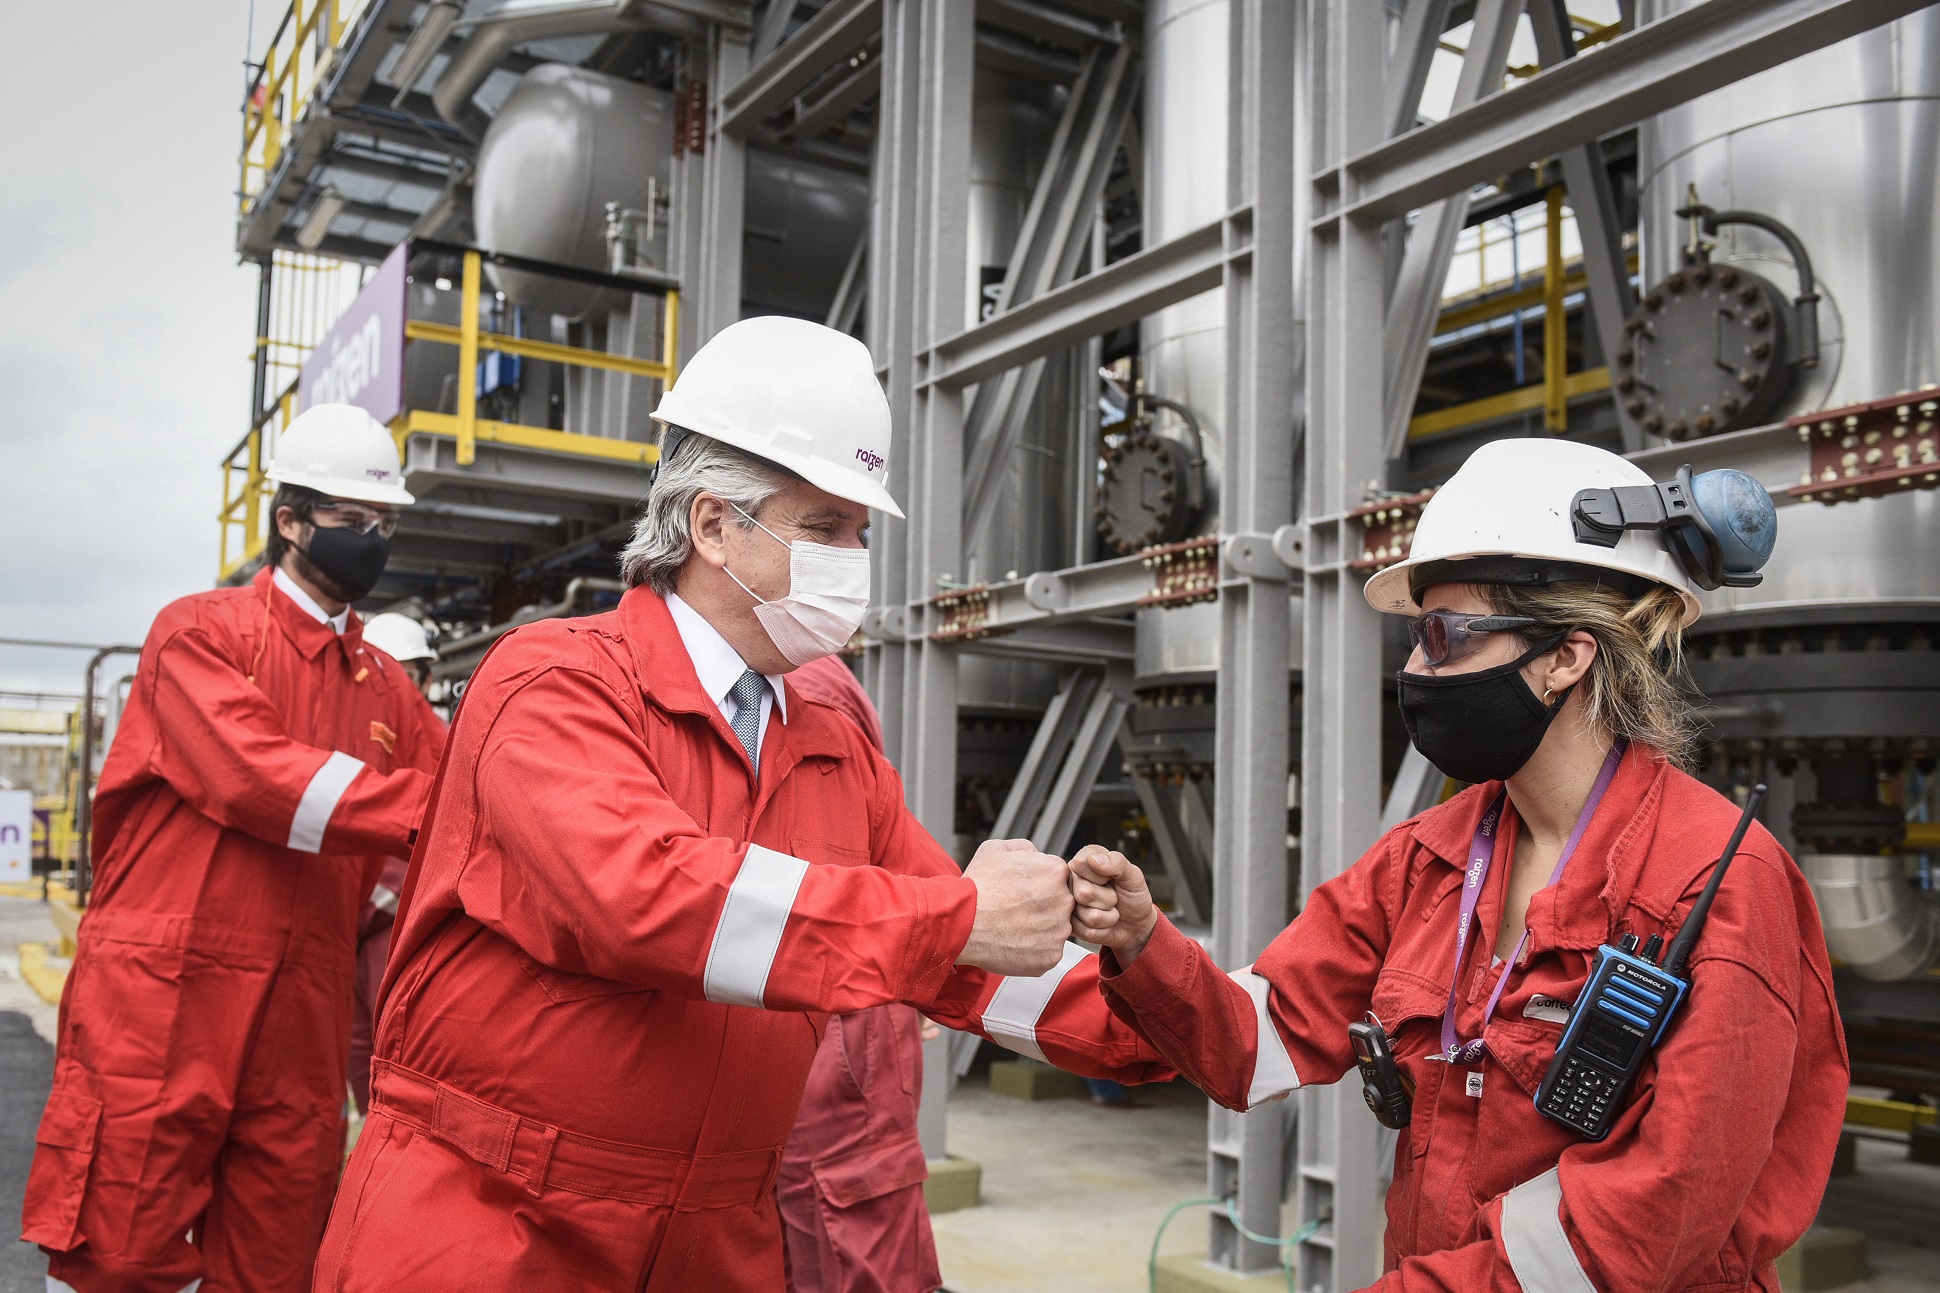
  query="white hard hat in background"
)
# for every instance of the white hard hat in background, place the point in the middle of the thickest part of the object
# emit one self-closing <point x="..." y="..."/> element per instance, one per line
<point x="1505" y="517"/>
<point x="342" y="451"/>
<point x="398" y="636"/>
<point x="800" y="395"/>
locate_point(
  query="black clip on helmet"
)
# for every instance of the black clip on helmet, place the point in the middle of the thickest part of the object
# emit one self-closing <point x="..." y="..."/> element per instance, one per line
<point x="1720" y="526"/>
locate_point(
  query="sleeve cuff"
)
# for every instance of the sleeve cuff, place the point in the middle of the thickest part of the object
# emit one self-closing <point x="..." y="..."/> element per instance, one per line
<point x="949" y="910"/>
<point x="1162" y="974"/>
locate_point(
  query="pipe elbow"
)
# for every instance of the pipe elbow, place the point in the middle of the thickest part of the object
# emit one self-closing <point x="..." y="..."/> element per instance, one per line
<point x="1881" y="927"/>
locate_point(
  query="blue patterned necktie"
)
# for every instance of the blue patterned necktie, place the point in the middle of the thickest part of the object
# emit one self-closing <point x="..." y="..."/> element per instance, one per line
<point x="746" y="694"/>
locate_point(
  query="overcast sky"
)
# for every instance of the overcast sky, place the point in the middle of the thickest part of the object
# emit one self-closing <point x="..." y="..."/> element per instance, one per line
<point x="125" y="321"/>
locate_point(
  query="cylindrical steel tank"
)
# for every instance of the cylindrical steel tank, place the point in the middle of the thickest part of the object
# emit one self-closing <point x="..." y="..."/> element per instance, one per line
<point x="1824" y="677"/>
<point x="1184" y="346"/>
<point x="1839" y="145"/>
<point x="566" y="142"/>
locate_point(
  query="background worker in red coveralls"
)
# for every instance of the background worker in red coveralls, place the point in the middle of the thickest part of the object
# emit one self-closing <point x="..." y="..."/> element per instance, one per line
<point x="404" y="640"/>
<point x="268" y="761"/>
<point x="651" y="870"/>
<point x="850" y="1191"/>
<point x="1542" y="671"/>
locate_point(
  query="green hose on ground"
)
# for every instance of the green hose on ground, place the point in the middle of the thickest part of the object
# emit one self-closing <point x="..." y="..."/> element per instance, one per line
<point x="1286" y="1245"/>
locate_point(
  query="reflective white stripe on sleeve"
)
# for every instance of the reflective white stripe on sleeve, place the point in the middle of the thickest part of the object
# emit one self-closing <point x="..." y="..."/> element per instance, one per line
<point x="320" y="800"/>
<point x="1014" y="1009"/>
<point x="749" y="932"/>
<point x="1532" y="1234"/>
<point x="384" y="898"/>
<point x="1273" y="1073"/>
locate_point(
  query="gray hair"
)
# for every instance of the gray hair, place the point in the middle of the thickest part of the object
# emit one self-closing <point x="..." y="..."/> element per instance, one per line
<point x="662" y="537"/>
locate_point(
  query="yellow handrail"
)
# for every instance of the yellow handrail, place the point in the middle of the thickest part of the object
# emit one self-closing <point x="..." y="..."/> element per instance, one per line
<point x="299" y="56"/>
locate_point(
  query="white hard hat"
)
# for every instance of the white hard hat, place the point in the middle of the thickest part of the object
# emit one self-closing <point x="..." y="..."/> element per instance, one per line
<point x="342" y="451"/>
<point x="1505" y="518"/>
<point x="797" y="394"/>
<point x="398" y="636"/>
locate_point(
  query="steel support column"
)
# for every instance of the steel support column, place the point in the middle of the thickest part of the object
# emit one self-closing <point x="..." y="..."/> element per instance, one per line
<point x="724" y="180"/>
<point x="918" y="248"/>
<point x="1246" y="1152"/>
<point x="1337" y="1178"/>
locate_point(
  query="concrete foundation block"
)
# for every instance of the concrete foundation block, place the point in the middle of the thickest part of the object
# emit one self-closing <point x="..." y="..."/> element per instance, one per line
<point x="1022" y="1081"/>
<point x="1186" y="1273"/>
<point x="954" y="1184"/>
<point x="1923" y="1146"/>
<point x="1825" y="1258"/>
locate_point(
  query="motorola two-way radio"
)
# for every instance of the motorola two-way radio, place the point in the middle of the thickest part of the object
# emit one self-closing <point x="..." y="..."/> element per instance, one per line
<point x="1623" y="1011"/>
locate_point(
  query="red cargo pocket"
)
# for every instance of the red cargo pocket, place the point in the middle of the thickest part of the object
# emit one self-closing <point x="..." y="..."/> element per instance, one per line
<point x="58" y="1180"/>
<point x="871" y="1171"/>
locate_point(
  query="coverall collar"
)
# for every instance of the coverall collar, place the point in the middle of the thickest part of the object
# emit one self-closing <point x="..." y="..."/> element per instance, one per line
<point x="716" y="663"/>
<point x="308" y="604"/>
<point x="655" y="643"/>
<point x="1580" y="910"/>
<point x="301" y="624"/>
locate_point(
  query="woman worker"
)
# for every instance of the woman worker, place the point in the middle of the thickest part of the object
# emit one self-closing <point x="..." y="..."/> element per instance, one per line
<point x="1541" y="672"/>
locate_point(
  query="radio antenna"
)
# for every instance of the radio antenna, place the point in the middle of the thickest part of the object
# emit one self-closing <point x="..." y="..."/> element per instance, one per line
<point x="1694" y="923"/>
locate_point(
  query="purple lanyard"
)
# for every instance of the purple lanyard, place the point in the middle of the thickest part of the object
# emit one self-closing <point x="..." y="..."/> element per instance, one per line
<point x="1481" y="854"/>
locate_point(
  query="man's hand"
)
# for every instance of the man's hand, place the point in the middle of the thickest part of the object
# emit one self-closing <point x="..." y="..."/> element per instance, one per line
<point x="1113" y="907"/>
<point x="1023" y="909"/>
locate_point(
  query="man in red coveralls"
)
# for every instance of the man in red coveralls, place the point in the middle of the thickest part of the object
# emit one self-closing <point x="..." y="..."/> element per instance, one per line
<point x="651" y="870"/>
<point x="267" y="763"/>
<point x="850" y="1191"/>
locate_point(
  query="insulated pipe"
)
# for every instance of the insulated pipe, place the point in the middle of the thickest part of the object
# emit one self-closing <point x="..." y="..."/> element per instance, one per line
<point x="1878" y="924"/>
<point x="513" y="22"/>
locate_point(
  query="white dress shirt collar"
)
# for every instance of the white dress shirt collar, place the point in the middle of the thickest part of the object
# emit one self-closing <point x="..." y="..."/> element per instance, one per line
<point x="718" y="665"/>
<point x="308" y="604"/>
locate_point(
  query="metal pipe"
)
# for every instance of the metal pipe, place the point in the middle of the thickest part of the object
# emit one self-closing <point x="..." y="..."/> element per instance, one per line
<point x="84" y="793"/>
<point x="525" y="615"/>
<point x="1879" y="925"/>
<point x="492" y="37"/>
<point x="1805" y="306"/>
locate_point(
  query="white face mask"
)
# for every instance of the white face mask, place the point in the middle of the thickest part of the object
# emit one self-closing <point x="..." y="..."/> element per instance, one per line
<point x="828" y="591"/>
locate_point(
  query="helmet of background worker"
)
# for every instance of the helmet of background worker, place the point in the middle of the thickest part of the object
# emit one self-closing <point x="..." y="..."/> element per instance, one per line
<point x="340" y="451"/>
<point x="1505" y="518"/>
<point x="795" y="394"/>
<point x="399" y="637"/>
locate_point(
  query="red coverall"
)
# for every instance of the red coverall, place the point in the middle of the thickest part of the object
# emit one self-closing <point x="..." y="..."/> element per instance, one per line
<point x="1718" y="1162"/>
<point x="616" y="956"/>
<point x="199" y="1080"/>
<point x="374" y="925"/>
<point x="850" y="1190"/>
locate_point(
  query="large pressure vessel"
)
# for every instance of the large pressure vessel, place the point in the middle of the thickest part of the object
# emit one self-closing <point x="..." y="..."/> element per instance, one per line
<point x="567" y="142"/>
<point x="1839" y="145"/>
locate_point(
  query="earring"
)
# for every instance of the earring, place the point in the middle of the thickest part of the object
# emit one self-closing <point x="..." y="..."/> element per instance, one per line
<point x="1546" y="694"/>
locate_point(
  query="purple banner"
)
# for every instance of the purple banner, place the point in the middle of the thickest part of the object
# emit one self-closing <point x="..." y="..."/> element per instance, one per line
<point x="361" y="359"/>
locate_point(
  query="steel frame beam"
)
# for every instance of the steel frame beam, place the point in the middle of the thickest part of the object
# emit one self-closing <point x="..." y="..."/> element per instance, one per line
<point x="918" y="249"/>
<point x="1129" y="289"/>
<point x="1336" y="1181"/>
<point x="838" y="30"/>
<point x="1644" y="71"/>
<point x="1246" y="1152"/>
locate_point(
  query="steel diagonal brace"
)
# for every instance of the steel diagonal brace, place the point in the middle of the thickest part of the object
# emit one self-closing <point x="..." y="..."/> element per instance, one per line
<point x="1431" y="245"/>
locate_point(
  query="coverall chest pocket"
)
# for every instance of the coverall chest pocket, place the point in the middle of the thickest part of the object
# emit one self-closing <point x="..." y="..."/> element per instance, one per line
<point x="1409" y="1007"/>
<point x="1518" y="1142"/>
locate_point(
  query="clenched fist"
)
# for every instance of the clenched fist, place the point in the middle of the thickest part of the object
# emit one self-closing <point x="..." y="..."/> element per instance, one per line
<point x="1023" y="909"/>
<point x="1113" y="908"/>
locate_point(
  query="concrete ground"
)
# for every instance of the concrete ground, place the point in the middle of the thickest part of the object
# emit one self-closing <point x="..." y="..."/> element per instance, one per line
<point x="1073" y="1193"/>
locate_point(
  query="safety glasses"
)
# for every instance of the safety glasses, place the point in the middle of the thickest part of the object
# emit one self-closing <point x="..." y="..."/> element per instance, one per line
<point x="1447" y="636"/>
<point x="355" y="516"/>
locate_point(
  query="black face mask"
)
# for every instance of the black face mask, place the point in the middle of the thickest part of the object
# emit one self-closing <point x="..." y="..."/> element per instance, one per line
<point x="1480" y="726"/>
<point x="352" y="561"/>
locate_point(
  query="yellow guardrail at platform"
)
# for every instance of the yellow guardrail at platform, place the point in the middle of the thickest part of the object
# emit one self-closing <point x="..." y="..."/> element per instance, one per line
<point x="298" y="59"/>
<point x="244" y="518"/>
